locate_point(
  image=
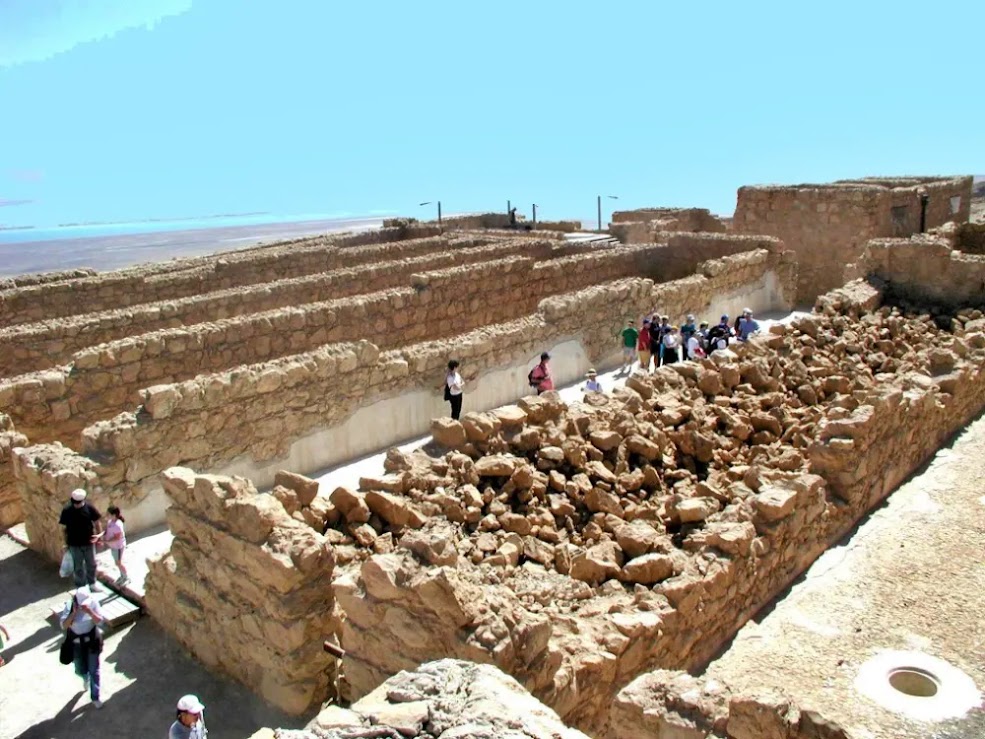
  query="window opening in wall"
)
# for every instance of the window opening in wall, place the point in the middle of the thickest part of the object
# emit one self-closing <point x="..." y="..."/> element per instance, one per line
<point x="898" y="214"/>
<point x="955" y="204"/>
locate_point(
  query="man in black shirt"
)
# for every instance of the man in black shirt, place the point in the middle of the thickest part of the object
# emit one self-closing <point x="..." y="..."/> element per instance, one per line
<point x="82" y="528"/>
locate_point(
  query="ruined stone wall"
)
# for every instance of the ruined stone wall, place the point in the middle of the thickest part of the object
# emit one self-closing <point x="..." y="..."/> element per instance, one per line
<point x="259" y="412"/>
<point x="246" y="587"/>
<point x="971" y="238"/>
<point x="58" y="403"/>
<point x="828" y="225"/>
<point x="818" y="461"/>
<point x="112" y="290"/>
<point x="30" y="347"/>
<point x="924" y="268"/>
<point x="641" y="226"/>
<point x="11" y="511"/>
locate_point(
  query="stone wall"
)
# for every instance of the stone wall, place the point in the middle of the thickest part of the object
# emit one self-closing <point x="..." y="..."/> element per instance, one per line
<point x="266" y="412"/>
<point x="924" y="268"/>
<point x="641" y="226"/>
<point x="44" y="300"/>
<point x="30" y="347"/>
<point x="828" y="225"/>
<point x="11" y="511"/>
<point x="246" y="587"/>
<point x="791" y="442"/>
<point x="101" y="381"/>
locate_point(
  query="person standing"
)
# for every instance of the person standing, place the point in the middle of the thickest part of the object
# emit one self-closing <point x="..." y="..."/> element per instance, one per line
<point x="453" y="388"/>
<point x="115" y="538"/>
<point x="657" y="333"/>
<point x="671" y="346"/>
<point x="540" y="376"/>
<point x="189" y="722"/>
<point x="643" y="345"/>
<point x="719" y="335"/>
<point x="80" y="618"/>
<point x="82" y="528"/>
<point x="747" y="325"/>
<point x="688" y="330"/>
<point x="629" y="338"/>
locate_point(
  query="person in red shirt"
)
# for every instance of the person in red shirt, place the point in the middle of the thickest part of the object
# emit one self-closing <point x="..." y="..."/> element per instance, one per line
<point x="540" y="376"/>
<point x="643" y="345"/>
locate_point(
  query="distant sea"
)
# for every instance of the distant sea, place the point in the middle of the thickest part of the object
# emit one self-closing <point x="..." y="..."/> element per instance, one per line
<point x="106" y="246"/>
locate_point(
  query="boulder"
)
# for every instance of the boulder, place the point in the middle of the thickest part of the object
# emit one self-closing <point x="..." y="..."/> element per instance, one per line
<point x="448" y="433"/>
<point x="351" y="505"/>
<point x="394" y="510"/>
<point x="605" y="440"/>
<point x="480" y="426"/>
<point x="597" y="564"/>
<point x="496" y="465"/>
<point x="305" y="487"/>
<point x="637" y="538"/>
<point x="691" y="510"/>
<point x="649" y="569"/>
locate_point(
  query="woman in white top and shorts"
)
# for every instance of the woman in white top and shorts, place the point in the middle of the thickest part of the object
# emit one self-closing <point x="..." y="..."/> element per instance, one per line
<point x="453" y="388"/>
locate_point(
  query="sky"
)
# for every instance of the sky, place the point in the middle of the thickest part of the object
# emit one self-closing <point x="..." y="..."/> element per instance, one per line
<point x="117" y="110"/>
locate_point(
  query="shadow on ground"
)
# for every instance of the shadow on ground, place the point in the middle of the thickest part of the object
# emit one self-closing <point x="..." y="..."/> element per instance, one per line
<point x="144" y="671"/>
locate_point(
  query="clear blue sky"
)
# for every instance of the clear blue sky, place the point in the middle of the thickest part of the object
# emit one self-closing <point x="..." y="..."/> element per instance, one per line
<point x="131" y="109"/>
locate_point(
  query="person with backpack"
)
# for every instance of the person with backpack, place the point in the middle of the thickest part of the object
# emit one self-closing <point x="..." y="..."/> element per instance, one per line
<point x="747" y="325"/>
<point x="657" y="333"/>
<point x="719" y="335"/>
<point x="80" y="619"/>
<point x="453" y="388"/>
<point x="540" y="376"/>
<point x="671" y="346"/>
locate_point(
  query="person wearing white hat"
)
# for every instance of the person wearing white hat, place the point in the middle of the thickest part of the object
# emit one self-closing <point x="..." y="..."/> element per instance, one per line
<point x="79" y="618"/>
<point x="190" y="720"/>
<point x="82" y="528"/>
<point x="747" y="325"/>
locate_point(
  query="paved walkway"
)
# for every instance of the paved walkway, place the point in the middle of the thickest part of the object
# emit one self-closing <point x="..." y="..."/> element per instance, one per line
<point x="144" y="672"/>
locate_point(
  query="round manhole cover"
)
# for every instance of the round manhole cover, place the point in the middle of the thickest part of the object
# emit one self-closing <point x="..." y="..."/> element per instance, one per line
<point x="914" y="681"/>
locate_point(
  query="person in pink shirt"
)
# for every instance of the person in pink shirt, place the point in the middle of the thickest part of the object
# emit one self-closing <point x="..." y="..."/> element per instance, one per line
<point x="115" y="538"/>
<point x="540" y="376"/>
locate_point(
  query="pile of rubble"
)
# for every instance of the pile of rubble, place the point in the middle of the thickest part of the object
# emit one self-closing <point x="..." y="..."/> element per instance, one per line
<point x="621" y="486"/>
<point x="447" y="699"/>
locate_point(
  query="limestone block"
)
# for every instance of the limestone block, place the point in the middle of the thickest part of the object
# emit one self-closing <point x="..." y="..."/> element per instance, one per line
<point x="648" y="569"/>
<point x="448" y="433"/>
<point x="774" y="503"/>
<point x="305" y="487"/>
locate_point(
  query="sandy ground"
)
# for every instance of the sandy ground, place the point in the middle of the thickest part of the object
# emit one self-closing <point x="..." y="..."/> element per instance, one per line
<point x="143" y="672"/>
<point x="910" y="578"/>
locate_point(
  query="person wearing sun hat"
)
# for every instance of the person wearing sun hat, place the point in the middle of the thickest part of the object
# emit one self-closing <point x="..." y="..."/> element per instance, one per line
<point x="592" y="384"/>
<point x="83" y="528"/>
<point x="79" y="619"/>
<point x="189" y="722"/>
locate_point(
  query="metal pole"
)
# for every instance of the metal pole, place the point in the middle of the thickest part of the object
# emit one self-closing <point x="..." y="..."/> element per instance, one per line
<point x="439" y="214"/>
<point x="509" y="207"/>
<point x="600" y="212"/>
<point x="535" y="214"/>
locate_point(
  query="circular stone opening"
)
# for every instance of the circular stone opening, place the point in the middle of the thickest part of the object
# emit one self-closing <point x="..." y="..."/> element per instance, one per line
<point x="914" y="681"/>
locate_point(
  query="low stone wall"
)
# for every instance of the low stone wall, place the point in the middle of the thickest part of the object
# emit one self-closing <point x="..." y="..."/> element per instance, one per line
<point x="924" y="268"/>
<point x="38" y="346"/>
<point x="642" y="226"/>
<point x="247" y="588"/>
<point x="315" y="410"/>
<point x="57" y="404"/>
<point x="112" y="290"/>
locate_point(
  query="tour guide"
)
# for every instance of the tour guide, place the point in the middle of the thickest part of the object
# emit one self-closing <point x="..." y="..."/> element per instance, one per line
<point x="82" y="528"/>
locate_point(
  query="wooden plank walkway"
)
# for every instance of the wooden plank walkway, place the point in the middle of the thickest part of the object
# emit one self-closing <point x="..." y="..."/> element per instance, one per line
<point x="118" y="610"/>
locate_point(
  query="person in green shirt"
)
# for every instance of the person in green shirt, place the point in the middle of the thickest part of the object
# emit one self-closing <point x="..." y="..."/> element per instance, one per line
<point x="629" y="336"/>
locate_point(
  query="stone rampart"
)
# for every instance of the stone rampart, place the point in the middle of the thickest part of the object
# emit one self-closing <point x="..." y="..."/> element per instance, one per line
<point x="113" y="290"/>
<point x="38" y="346"/>
<point x="247" y="588"/>
<point x="828" y="225"/>
<point x="248" y="418"/>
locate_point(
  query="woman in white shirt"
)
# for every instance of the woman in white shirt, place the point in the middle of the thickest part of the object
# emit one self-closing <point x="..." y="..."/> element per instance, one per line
<point x="672" y="346"/>
<point x="79" y="620"/>
<point x="453" y="388"/>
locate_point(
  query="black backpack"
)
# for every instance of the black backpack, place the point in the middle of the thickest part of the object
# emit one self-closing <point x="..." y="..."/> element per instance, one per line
<point x="530" y="377"/>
